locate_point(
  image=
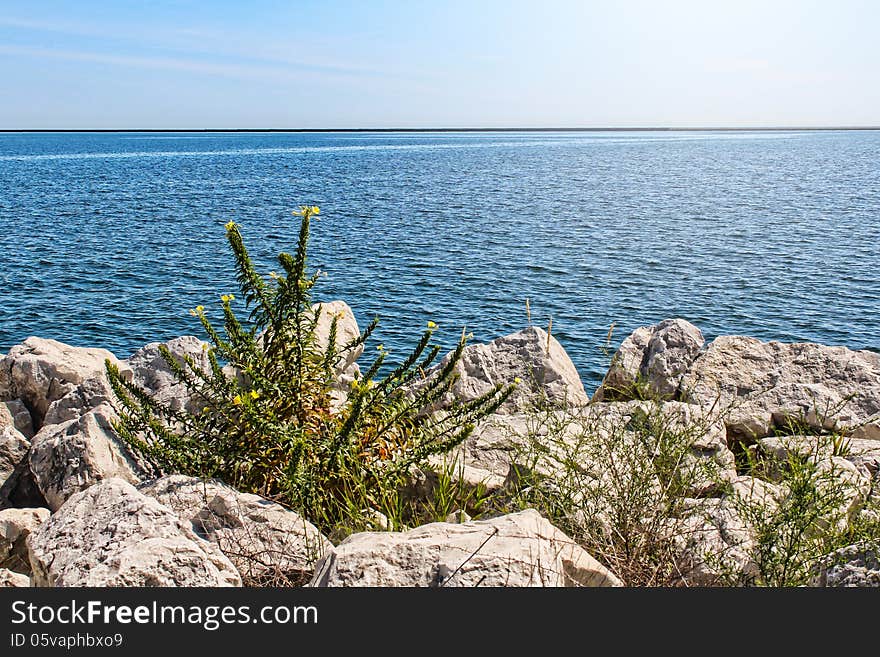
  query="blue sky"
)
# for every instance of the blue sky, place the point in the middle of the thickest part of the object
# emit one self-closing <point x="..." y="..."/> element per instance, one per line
<point x="304" y="64"/>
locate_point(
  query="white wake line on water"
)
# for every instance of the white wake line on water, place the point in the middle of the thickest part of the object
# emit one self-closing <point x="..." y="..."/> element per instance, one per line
<point x="585" y="136"/>
<point x="562" y="135"/>
<point x="383" y="147"/>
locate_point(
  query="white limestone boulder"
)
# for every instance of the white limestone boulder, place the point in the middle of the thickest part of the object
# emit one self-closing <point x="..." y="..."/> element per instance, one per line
<point x="69" y="457"/>
<point x="347" y="331"/>
<point x="88" y="395"/>
<point x="766" y="385"/>
<point x="112" y="535"/>
<point x="519" y="549"/>
<point x="152" y="372"/>
<point x="654" y="357"/>
<point x="267" y="543"/>
<point x="543" y="373"/>
<point x="40" y="371"/>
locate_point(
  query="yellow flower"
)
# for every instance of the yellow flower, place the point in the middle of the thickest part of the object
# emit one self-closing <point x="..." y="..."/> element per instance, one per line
<point x="230" y="225"/>
<point x="306" y="209"/>
<point x="255" y="394"/>
<point x="237" y="400"/>
<point x="517" y="380"/>
<point x="432" y="325"/>
<point x="226" y="298"/>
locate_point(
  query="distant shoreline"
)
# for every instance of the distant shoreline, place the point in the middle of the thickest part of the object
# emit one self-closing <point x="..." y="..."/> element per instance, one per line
<point x="413" y="130"/>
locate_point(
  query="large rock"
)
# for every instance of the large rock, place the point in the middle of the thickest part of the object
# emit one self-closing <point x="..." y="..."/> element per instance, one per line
<point x="41" y="371"/>
<point x="10" y="579"/>
<point x="520" y="549"/>
<point x="537" y="363"/>
<point x="267" y="543"/>
<point x="67" y="458"/>
<point x="89" y="394"/>
<point x="152" y="372"/>
<point x="15" y="526"/>
<point x="766" y="385"/>
<point x="113" y="535"/>
<point x="625" y="370"/>
<point x="653" y="358"/>
<point x="853" y="566"/>
<point x="503" y="447"/>
<point x="347" y="330"/>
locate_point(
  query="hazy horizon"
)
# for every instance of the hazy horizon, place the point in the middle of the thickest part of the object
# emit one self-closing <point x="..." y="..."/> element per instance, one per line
<point x="460" y="129"/>
<point x="390" y="65"/>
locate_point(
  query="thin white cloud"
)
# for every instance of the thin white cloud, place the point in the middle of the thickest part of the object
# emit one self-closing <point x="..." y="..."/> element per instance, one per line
<point x="200" y="41"/>
<point x="164" y="63"/>
<point x="249" y="71"/>
<point x="70" y="29"/>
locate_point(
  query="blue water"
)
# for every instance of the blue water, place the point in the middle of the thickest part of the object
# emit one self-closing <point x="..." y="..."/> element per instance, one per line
<point x="108" y="239"/>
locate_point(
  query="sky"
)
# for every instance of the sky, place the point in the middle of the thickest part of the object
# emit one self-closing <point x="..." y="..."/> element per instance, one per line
<point x="181" y="64"/>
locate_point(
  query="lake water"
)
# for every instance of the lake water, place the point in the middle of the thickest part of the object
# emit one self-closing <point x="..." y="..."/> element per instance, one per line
<point x="109" y="239"/>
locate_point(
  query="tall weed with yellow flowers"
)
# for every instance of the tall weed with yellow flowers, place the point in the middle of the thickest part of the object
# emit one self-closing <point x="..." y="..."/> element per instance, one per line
<point x="269" y="422"/>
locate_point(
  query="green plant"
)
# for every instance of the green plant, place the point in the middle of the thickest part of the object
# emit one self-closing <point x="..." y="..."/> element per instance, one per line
<point x="814" y="515"/>
<point x="433" y="498"/>
<point x="616" y="478"/>
<point x="450" y="493"/>
<point x="270" y="419"/>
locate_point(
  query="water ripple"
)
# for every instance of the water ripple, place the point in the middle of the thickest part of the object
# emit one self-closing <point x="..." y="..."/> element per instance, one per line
<point x="108" y="239"/>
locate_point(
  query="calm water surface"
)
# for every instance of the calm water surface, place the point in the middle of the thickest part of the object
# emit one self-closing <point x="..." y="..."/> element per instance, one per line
<point x="108" y="239"/>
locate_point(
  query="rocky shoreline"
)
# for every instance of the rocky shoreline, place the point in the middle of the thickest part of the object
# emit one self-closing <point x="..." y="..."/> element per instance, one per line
<point x="78" y="509"/>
